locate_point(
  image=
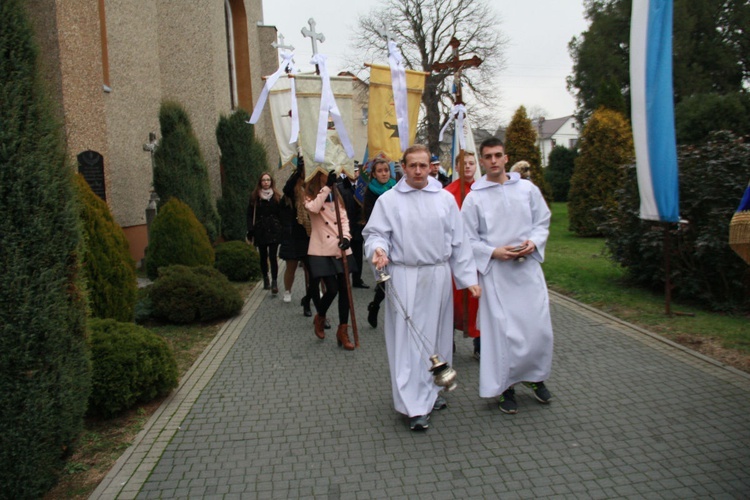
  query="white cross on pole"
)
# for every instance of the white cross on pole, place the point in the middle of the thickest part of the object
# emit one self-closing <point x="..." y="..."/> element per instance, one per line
<point x="315" y="37"/>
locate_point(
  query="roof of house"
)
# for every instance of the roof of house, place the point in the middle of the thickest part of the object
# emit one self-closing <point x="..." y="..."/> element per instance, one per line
<point x="480" y="134"/>
<point x="355" y="77"/>
<point x="552" y="125"/>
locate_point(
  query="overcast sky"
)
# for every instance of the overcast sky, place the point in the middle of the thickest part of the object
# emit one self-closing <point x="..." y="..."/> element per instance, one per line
<point x="537" y="60"/>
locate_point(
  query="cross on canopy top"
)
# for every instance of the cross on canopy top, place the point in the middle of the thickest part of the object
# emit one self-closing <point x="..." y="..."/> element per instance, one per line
<point x="281" y="45"/>
<point x="315" y="37"/>
<point x="458" y="65"/>
<point x="385" y="33"/>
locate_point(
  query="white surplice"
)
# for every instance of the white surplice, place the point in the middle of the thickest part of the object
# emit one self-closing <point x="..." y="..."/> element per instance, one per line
<point x="422" y="233"/>
<point x="514" y="306"/>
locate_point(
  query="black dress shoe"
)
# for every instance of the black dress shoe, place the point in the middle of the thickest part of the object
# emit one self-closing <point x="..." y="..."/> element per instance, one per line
<point x="305" y="303"/>
<point x="372" y="314"/>
<point x="360" y="284"/>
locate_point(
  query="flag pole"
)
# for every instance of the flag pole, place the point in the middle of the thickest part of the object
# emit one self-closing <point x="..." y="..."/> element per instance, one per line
<point x="667" y="248"/>
<point x="345" y="262"/>
<point x="457" y="65"/>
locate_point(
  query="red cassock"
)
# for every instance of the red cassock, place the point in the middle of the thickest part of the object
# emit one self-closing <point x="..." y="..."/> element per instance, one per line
<point x="454" y="188"/>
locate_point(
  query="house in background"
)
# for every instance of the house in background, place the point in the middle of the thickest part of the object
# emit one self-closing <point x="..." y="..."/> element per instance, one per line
<point x="109" y="65"/>
<point x="555" y="132"/>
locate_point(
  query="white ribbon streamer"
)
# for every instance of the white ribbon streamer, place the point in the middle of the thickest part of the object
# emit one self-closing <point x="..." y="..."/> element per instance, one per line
<point x="328" y="105"/>
<point x="398" y="84"/>
<point x="459" y="113"/>
<point x="270" y="82"/>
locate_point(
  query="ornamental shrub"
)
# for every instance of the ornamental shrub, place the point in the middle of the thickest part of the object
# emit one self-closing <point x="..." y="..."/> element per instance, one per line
<point x="606" y="146"/>
<point x="184" y="295"/>
<point x="560" y="170"/>
<point x="108" y="268"/>
<point x="44" y="368"/>
<point x="130" y="365"/>
<point x="176" y="237"/>
<point x="712" y="179"/>
<point x="520" y="144"/>
<point x="179" y="169"/>
<point x="243" y="159"/>
<point x="237" y="260"/>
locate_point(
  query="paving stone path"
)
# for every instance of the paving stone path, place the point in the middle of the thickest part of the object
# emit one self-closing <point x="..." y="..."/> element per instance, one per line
<point x="269" y="411"/>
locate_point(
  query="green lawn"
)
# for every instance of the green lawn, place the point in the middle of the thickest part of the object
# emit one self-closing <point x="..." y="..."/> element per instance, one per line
<point x="579" y="268"/>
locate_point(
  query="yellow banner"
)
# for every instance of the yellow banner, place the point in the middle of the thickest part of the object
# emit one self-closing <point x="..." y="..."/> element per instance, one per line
<point x="382" y="129"/>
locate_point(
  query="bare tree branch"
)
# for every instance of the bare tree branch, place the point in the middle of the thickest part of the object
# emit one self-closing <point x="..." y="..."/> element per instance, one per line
<point x="422" y="30"/>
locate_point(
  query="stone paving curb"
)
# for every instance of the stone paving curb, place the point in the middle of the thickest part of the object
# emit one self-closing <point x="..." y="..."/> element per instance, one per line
<point x="133" y="468"/>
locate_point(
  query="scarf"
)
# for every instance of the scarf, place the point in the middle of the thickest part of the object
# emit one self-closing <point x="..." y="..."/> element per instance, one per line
<point x="265" y="194"/>
<point x="379" y="188"/>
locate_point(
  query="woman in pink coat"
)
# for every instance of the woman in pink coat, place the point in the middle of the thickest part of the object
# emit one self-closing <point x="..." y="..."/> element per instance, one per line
<point x="324" y="253"/>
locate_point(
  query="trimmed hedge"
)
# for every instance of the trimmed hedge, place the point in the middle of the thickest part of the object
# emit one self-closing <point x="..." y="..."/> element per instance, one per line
<point x="243" y="159"/>
<point x="45" y="377"/>
<point x="179" y="169"/>
<point x="176" y="237"/>
<point x="191" y="294"/>
<point x="108" y="268"/>
<point x="237" y="260"/>
<point x="130" y="365"/>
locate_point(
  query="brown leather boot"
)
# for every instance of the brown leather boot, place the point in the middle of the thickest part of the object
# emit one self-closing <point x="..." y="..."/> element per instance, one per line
<point x="320" y="326"/>
<point x="342" y="337"/>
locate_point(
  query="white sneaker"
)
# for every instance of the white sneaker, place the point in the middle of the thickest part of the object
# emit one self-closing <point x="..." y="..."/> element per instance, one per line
<point x="287" y="296"/>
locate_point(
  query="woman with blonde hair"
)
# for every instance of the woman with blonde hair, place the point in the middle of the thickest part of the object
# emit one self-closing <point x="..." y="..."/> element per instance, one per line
<point x="324" y="253"/>
<point x="523" y="168"/>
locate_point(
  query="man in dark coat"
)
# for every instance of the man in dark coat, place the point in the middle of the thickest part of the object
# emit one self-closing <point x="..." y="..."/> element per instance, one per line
<point x="347" y="188"/>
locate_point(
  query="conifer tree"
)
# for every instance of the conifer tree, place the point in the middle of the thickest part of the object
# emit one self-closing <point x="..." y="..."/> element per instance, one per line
<point x="243" y="159"/>
<point x="605" y="147"/>
<point x="108" y="268"/>
<point x="520" y="144"/>
<point x="560" y="170"/>
<point x="45" y="379"/>
<point x="179" y="169"/>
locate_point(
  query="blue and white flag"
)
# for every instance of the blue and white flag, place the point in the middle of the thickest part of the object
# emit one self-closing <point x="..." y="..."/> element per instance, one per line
<point x="653" y="109"/>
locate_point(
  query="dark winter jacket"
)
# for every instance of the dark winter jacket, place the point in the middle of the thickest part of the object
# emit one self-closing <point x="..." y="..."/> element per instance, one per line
<point x="267" y="227"/>
<point x="353" y="208"/>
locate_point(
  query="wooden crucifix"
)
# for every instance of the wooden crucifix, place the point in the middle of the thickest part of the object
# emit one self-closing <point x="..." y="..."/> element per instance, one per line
<point x="458" y="65"/>
<point x="314" y="37"/>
